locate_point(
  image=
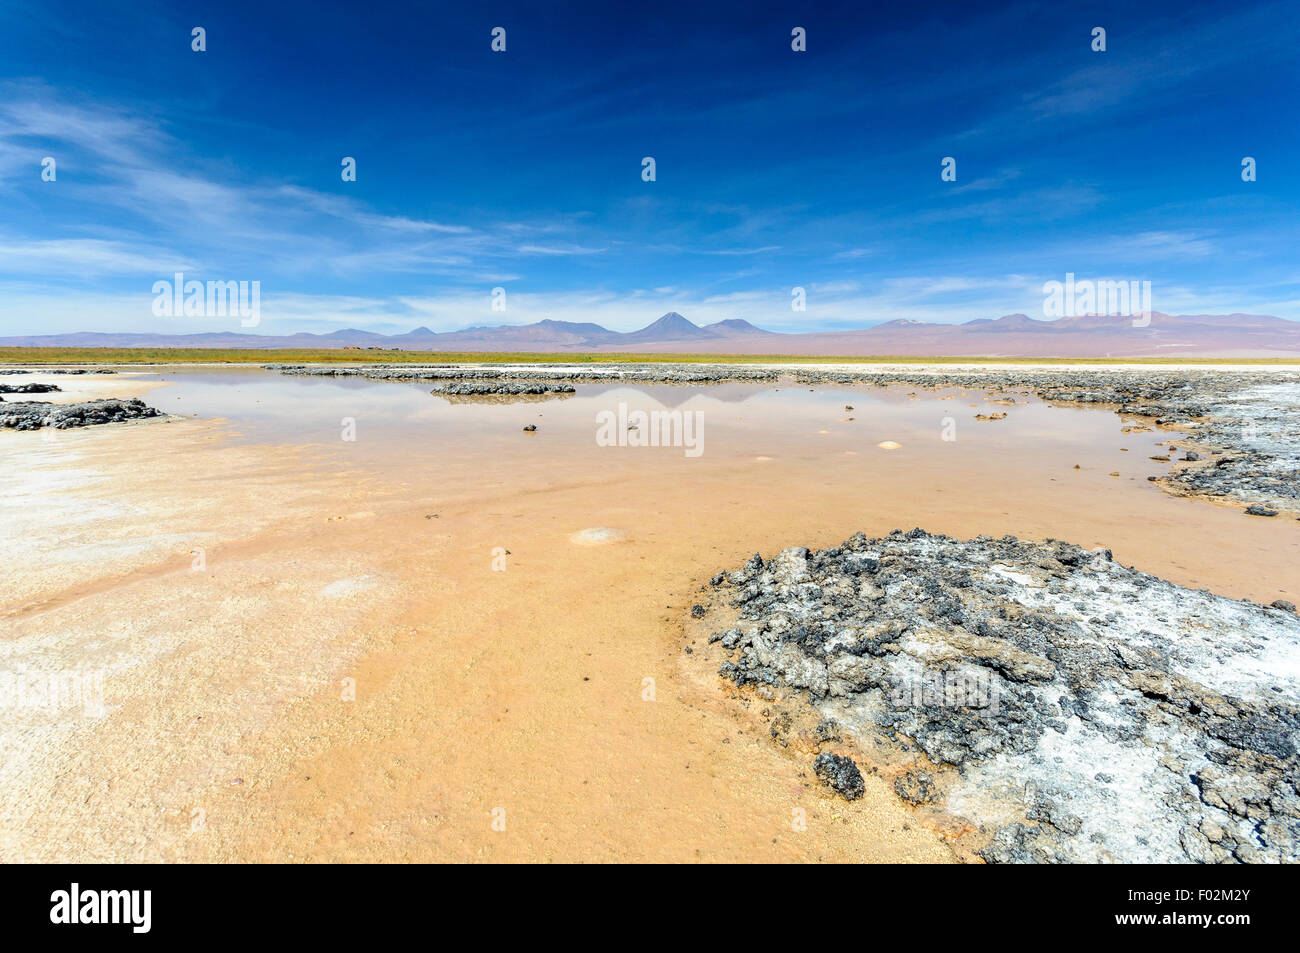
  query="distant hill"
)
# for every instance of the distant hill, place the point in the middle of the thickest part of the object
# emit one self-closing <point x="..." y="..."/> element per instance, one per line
<point x="735" y="326"/>
<point x="671" y="327"/>
<point x="1013" y="335"/>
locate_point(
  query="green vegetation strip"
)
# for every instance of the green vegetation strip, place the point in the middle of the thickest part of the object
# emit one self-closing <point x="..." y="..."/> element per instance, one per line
<point x="107" y="355"/>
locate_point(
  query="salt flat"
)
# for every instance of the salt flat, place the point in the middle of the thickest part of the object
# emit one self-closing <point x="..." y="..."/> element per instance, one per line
<point x="324" y="648"/>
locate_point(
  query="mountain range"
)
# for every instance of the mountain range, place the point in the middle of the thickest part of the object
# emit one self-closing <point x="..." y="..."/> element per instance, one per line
<point x="1014" y="335"/>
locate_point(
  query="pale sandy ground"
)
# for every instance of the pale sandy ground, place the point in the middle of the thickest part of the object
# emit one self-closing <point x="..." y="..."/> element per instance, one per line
<point x="479" y="695"/>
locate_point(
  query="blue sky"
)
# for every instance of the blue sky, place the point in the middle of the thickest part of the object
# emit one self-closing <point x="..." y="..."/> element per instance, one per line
<point x="522" y="169"/>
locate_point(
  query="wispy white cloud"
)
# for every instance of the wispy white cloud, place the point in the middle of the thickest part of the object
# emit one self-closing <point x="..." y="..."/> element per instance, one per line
<point x="354" y="212"/>
<point x="558" y="250"/>
<point x="1032" y="205"/>
<point x="84" y="257"/>
<point x="1176" y="244"/>
<point x="742" y="251"/>
<point x="160" y="197"/>
<point x="989" y="183"/>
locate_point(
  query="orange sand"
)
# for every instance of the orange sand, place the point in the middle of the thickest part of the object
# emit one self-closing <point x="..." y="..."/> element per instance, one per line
<point x="485" y="696"/>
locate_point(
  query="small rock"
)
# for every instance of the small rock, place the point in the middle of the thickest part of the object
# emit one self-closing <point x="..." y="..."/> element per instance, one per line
<point x="840" y="773"/>
<point x="916" y="787"/>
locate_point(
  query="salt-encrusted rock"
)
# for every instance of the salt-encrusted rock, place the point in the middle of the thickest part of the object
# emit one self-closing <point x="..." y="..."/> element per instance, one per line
<point x="32" y="415"/>
<point x="645" y="373"/>
<point x="28" y="388"/>
<point x="840" y="773"/>
<point x="58" y="370"/>
<point x="499" y="388"/>
<point x="1071" y="707"/>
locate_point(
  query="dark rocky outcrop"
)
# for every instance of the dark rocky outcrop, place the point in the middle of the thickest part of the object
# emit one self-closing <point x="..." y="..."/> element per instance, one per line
<point x="29" y="388"/>
<point x="1071" y="708"/>
<point x="33" y="415"/>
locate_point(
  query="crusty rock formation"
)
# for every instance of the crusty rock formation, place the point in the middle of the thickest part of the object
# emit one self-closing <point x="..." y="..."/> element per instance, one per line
<point x="1074" y="709"/>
